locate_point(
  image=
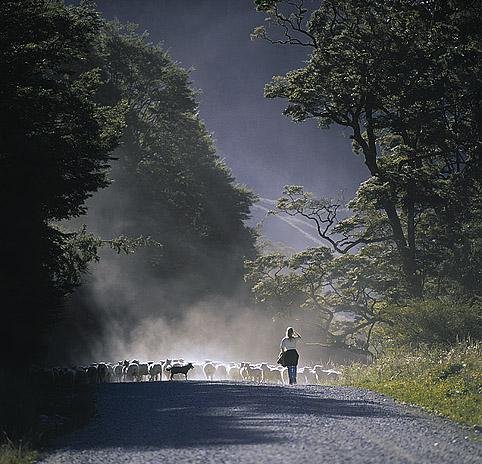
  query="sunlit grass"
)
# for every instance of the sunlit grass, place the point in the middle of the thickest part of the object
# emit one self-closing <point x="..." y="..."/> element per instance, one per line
<point x="11" y="453"/>
<point x="444" y="381"/>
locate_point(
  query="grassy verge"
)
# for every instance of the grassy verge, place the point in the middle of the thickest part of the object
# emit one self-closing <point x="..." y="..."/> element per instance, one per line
<point x="16" y="454"/>
<point x="444" y="381"/>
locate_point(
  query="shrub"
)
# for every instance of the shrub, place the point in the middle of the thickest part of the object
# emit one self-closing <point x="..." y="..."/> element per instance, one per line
<point x="434" y="322"/>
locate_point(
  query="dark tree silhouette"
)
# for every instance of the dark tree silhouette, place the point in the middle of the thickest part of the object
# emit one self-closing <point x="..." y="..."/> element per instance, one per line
<point x="55" y="146"/>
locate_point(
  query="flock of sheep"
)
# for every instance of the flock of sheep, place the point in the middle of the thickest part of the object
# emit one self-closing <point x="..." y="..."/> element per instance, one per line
<point x="135" y="371"/>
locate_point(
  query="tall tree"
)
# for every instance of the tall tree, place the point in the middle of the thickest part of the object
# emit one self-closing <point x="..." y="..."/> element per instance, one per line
<point x="56" y="141"/>
<point x="404" y="77"/>
<point x="173" y="185"/>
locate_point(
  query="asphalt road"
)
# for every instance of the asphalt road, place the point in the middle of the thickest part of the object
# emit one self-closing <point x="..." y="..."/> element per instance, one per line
<point x="217" y="422"/>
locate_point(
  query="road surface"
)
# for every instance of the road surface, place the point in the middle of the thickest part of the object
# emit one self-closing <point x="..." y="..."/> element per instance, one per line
<point x="217" y="422"/>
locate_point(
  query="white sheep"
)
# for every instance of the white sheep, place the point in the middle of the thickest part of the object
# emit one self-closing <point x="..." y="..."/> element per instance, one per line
<point x="132" y="372"/>
<point x="221" y="372"/>
<point x="165" y="365"/>
<point x="255" y="373"/>
<point x="244" y="371"/>
<point x="209" y="370"/>
<point x="270" y="374"/>
<point x="310" y="376"/>
<point x="197" y="373"/>
<point x="301" y="376"/>
<point x="143" y="371"/>
<point x="284" y="374"/>
<point x="155" y="372"/>
<point x="102" y="372"/>
<point x="118" y="372"/>
<point x="234" y="373"/>
<point x="322" y="375"/>
<point x="110" y="372"/>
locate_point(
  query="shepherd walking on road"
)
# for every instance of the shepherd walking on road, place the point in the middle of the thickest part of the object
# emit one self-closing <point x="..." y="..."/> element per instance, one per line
<point x="289" y="353"/>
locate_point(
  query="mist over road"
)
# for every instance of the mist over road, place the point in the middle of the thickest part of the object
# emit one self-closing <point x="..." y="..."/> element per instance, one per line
<point x="217" y="422"/>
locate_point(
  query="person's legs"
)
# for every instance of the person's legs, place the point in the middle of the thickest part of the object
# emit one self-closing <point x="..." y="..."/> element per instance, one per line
<point x="292" y="374"/>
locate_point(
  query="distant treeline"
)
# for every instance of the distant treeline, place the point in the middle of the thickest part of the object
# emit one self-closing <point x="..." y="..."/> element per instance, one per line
<point x="87" y="104"/>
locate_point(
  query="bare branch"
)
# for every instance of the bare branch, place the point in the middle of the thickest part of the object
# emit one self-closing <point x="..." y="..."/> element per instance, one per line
<point x="291" y="26"/>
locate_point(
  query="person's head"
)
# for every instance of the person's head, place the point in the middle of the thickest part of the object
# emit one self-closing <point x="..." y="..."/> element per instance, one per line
<point x="289" y="332"/>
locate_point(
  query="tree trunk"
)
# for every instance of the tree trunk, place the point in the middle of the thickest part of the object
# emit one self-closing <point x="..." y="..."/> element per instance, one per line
<point x="407" y="255"/>
<point x="407" y="252"/>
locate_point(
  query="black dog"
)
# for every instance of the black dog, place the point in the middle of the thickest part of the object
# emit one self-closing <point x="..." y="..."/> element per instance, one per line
<point x="179" y="370"/>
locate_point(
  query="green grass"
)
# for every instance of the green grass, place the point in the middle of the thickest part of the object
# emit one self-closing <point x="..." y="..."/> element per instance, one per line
<point x="16" y="454"/>
<point x="447" y="382"/>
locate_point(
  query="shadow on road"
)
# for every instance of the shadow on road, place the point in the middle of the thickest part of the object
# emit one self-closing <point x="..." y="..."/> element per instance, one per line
<point x="185" y="414"/>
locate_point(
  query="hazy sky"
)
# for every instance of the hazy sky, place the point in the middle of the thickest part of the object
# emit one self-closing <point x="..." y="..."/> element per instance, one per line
<point x="264" y="149"/>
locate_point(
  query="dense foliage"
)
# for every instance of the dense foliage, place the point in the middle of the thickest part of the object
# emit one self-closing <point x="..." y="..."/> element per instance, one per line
<point x="442" y="321"/>
<point x="172" y="185"/>
<point x="78" y="95"/>
<point x="56" y="143"/>
<point x="404" y="79"/>
<point x="323" y="284"/>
